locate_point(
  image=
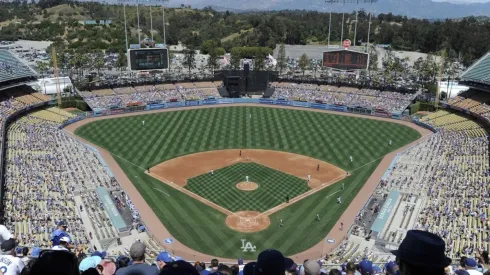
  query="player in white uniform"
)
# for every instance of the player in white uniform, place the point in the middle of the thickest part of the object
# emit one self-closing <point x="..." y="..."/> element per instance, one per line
<point x="250" y="116"/>
<point x="390" y="141"/>
<point x="9" y="263"/>
<point x="143" y="123"/>
<point x="5" y="234"/>
<point x="212" y="172"/>
<point x="246" y="178"/>
<point x="309" y="178"/>
<point x="351" y="158"/>
<point x="339" y="199"/>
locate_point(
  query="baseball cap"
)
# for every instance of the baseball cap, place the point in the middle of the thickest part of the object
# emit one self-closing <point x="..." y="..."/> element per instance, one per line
<point x="164" y="257"/>
<point x="62" y="223"/>
<point x="65" y="239"/>
<point x="311" y="267"/>
<point x="290" y="264"/>
<point x="35" y="252"/>
<point x="179" y="268"/>
<point x="461" y="272"/>
<point x="470" y="262"/>
<point x="137" y="250"/>
<point x="249" y="269"/>
<point x="366" y="267"/>
<point x="102" y="254"/>
<point x="271" y="262"/>
<point x="390" y="268"/>
<point x="8" y="245"/>
<point x="89" y="262"/>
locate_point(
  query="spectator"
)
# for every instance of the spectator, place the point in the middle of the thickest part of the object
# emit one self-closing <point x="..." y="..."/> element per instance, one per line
<point x="139" y="267"/>
<point x="270" y="262"/>
<point x="24" y="258"/>
<point x="9" y="263"/>
<point x="163" y="259"/>
<point x="334" y="271"/>
<point x="366" y="267"/>
<point x="89" y="262"/>
<point x="471" y="265"/>
<point x="421" y="253"/>
<point x="310" y="267"/>
<point x="178" y="268"/>
<point x="249" y="269"/>
<point x="60" y="233"/>
<point x="108" y="267"/>
<point x="291" y="266"/>
<point x="224" y="270"/>
<point x="350" y="269"/>
<point x="64" y="243"/>
<point x="102" y="254"/>
<point x="391" y="268"/>
<point x="122" y="262"/>
<point x="5" y="234"/>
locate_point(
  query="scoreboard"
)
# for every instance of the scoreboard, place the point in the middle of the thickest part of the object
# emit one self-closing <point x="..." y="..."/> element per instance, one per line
<point x="345" y="60"/>
<point x="148" y="59"/>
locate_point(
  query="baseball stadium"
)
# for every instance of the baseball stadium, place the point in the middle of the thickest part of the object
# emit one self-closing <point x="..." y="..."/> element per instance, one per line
<point x="316" y="171"/>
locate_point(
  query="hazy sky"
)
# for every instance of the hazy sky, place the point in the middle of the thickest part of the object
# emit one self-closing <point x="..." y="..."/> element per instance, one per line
<point x="463" y="1"/>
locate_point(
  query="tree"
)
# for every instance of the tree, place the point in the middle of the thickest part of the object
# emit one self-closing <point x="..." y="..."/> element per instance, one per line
<point x="304" y="62"/>
<point x="42" y="67"/>
<point x="189" y="61"/>
<point x="212" y="61"/>
<point x="98" y="62"/>
<point x="281" y="59"/>
<point x="121" y="61"/>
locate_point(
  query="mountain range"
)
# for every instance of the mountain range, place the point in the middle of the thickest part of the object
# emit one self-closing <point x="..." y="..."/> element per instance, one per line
<point x="410" y="8"/>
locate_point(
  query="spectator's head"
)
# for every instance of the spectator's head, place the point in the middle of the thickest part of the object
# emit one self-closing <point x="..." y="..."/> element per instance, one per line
<point x="89" y="262"/>
<point x="311" y="267"/>
<point x="470" y="263"/>
<point x="391" y="268"/>
<point x="8" y="247"/>
<point x="249" y="269"/>
<point x="64" y="241"/>
<point x="28" y="267"/>
<point x="420" y="253"/>
<point x="240" y="261"/>
<point x="224" y="269"/>
<point x="62" y="225"/>
<point x="485" y="258"/>
<point x="270" y="262"/>
<point x="25" y="251"/>
<point x="334" y="272"/>
<point x="163" y="259"/>
<point x="214" y="264"/>
<point x="57" y="262"/>
<point x="462" y="261"/>
<point x="461" y="272"/>
<point x="137" y="252"/>
<point x="350" y="268"/>
<point x="291" y="266"/>
<point x="122" y="261"/>
<point x="179" y="268"/>
<point x="109" y="267"/>
<point x="366" y="267"/>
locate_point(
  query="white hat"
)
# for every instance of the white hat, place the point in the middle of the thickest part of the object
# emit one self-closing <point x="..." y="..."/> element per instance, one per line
<point x="65" y="239"/>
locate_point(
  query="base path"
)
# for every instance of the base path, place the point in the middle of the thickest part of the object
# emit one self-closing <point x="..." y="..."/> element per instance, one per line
<point x="159" y="232"/>
<point x="248" y="221"/>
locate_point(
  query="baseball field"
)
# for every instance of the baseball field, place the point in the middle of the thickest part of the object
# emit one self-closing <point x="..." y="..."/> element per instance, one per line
<point x="218" y="176"/>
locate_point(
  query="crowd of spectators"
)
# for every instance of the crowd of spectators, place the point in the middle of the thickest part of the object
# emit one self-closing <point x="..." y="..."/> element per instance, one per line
<point x="347" y="96"/>
<point x="141" y="95"/>
<point x="12" y="68"/>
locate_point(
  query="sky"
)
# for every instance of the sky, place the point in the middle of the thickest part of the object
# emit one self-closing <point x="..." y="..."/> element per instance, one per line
<point x="462" y="1"/>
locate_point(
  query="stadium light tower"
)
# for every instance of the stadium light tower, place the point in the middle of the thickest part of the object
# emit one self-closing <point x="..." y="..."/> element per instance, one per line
<point x="123" y="2"/>
<point x="163" y="18"/>
<point x="332" y="2"/>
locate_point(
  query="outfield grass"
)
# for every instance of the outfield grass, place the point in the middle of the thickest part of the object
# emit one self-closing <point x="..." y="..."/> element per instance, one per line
<point x="332" y="138"/>
<point x="274" y="187"/>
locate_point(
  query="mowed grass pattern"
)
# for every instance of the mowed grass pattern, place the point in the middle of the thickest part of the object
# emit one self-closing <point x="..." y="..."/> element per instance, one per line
<point x="274" y="187"/>
<point x="332" y="138"/>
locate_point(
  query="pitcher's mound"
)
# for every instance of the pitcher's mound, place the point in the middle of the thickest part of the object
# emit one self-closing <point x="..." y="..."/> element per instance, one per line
<point x="247" y="186"/>
<point x="248" y="221"/>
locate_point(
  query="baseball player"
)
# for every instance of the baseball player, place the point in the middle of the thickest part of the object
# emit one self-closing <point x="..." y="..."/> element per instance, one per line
<point x="341" y="226"/>
<point x="143" y="123"/>
<point x="212" y="172"/>
<point x="309" y="177"/>
<point x="339" y="199"/>
<point x="287" y="199"/>
<point x="246" y="178"/>
<point x="148" y="169"/>
<point x="240" y="153"/>
<point x="280" y="223"/>
<point x="317" y="217"/>
<point x="9" y="264"/>
<point x="250" y="116"/>
<point x="318" y="167"/>
<point x="342" y="186"/>
<point x="390" y="141"/>
<point x="351" y="159"/>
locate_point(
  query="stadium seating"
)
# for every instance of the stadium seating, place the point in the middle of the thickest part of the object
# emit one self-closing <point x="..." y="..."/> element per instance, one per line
<point x="12" y="68"/>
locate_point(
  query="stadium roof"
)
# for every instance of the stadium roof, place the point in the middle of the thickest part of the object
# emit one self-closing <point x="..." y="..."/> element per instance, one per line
<point x="479" y="72"/>
<point x="12" y="68"/>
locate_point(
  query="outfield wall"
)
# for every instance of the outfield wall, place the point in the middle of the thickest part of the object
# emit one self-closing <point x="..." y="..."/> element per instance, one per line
<point x="114" y="110"/>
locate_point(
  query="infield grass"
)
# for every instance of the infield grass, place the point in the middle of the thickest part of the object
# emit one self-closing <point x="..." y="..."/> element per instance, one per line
<point x="221" y="189"/>
<point x="328" y="137"/>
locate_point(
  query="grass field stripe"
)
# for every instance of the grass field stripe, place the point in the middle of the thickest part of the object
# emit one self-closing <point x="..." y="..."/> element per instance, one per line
<point x="328" y="196"/>
<point x="161" y="191"/>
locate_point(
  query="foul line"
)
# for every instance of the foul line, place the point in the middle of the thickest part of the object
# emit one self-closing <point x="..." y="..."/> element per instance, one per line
<point x="161" y="191"/>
